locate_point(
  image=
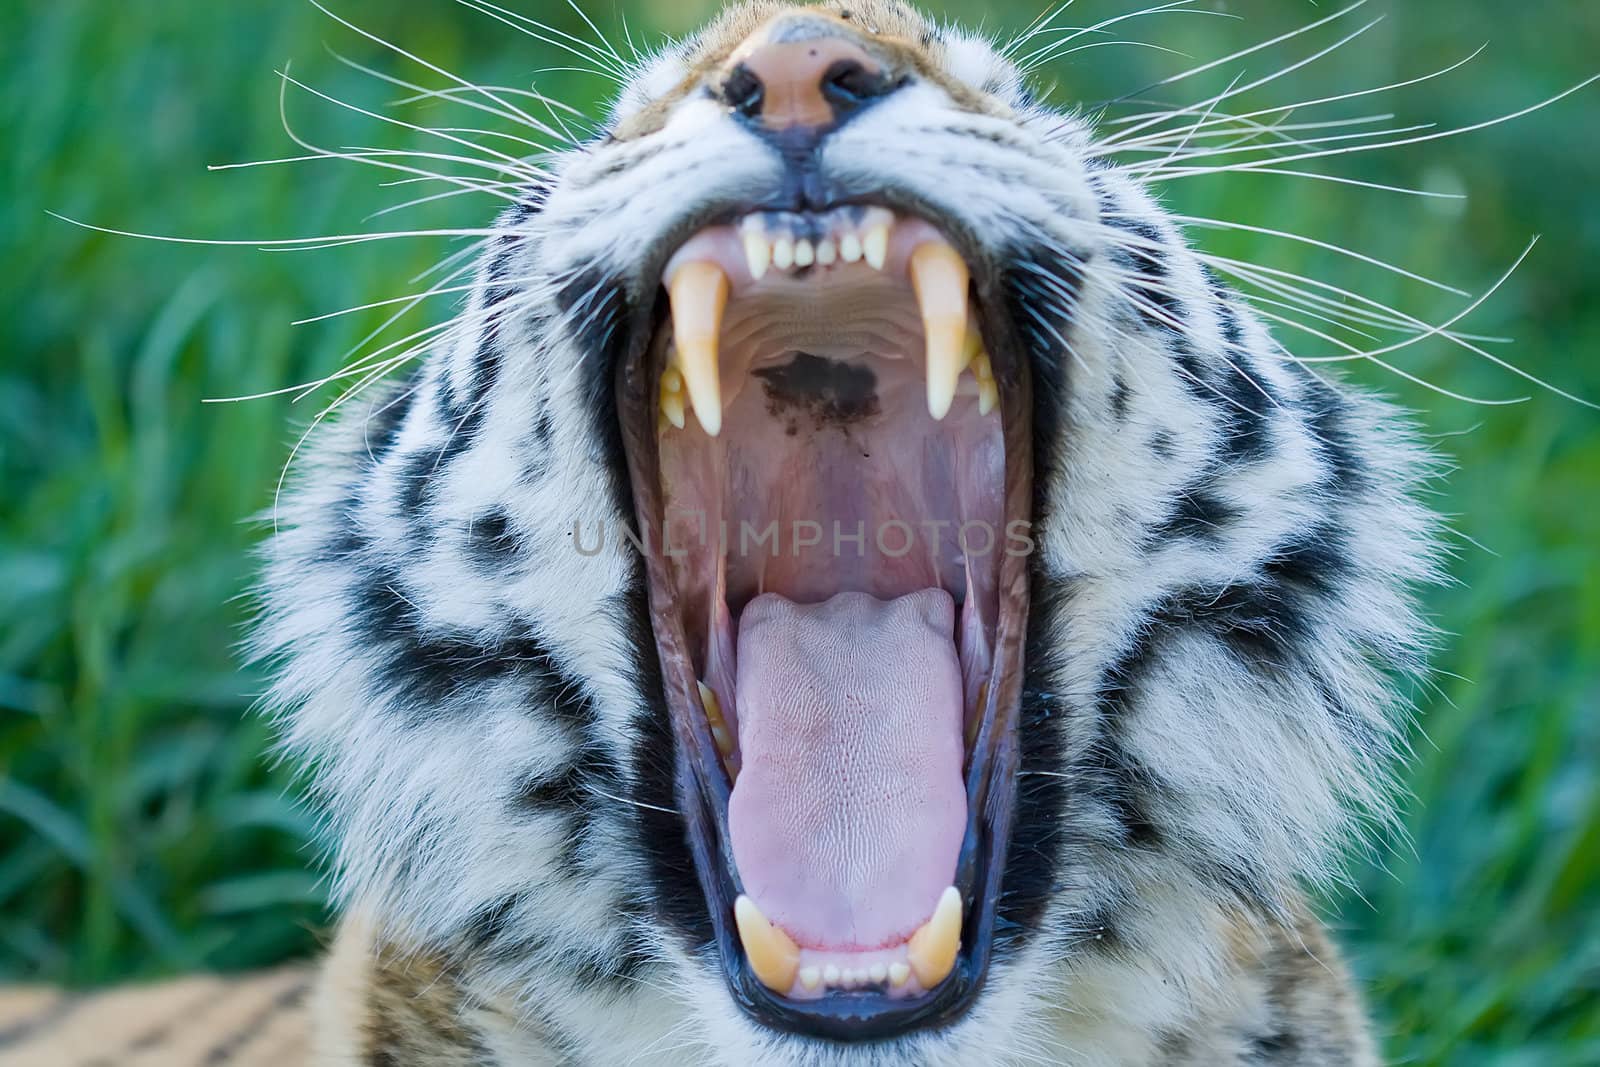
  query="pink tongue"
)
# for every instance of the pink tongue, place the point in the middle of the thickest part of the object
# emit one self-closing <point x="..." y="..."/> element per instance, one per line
<point x="849" y="809"/>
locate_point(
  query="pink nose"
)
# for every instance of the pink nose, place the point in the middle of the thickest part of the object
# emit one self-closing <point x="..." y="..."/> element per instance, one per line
<point x="802" y="71"/>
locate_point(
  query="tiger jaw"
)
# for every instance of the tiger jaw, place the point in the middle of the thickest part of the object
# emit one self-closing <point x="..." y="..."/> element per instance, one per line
<point x="838" y="365"/>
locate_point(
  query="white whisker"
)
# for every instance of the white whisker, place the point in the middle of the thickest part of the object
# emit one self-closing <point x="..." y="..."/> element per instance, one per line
<point x="1192" y="220"/>
<point x="1440" y="135"/>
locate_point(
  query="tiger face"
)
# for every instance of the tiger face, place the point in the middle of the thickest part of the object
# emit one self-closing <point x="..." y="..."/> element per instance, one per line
<point x="853" y="585"/>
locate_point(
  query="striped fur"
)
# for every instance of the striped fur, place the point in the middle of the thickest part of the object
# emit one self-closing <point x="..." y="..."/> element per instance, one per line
<point x="258" y="1021"/>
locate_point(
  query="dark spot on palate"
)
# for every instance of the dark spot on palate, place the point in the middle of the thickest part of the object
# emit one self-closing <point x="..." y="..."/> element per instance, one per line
<point x="828" y="392"/>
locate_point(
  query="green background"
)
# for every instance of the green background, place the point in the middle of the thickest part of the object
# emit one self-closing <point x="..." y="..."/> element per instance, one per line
<point x="143" y="829"/>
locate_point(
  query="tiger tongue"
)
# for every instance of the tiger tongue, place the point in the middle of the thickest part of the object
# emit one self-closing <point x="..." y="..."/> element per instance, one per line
<point x="849" y="809"/>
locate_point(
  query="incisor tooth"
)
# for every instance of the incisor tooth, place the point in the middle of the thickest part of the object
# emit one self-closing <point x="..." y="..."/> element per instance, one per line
<point x="939" y="275"/>
<point x="932" y="949"/>
<point x="757" y="254"/>
<point x="875" y="245"/>
<point x="830" y="974"/>
<point x="850" y="248"/>
<point x="783" y="253"/>
<point x="805" y="253"/>
<point x="898" y="973"/>
<point x="773" y="956"/>
<point x="810" y="977"/>
<point x="827" y="251"/>
<point x="699" y="293"/>
<point x="878" y="972"/>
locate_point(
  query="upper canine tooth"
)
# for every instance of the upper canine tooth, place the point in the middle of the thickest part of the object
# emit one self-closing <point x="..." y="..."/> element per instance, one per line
<point x="939" y="276"/>
<point x="773" y="957"/>
<point x="699" y="293"/>
<point x="875" y="245"/>
<point x="932" y="949"/>
<point x="757" y="253"/>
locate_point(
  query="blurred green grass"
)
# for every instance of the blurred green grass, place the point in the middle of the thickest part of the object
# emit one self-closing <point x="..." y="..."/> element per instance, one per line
<point x="143" y="830"/>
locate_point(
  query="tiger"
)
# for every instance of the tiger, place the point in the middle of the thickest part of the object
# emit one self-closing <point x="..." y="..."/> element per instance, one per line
<point x="852" y="586"/>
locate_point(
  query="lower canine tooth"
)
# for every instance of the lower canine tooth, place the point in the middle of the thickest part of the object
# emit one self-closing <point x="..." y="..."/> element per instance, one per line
<point x="932" y="949"/>
<point x="773" y="957"/>
<point x="719" y="725"/>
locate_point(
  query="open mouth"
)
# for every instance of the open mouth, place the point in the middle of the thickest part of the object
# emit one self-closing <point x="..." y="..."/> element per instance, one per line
<point x="827" y="430"/>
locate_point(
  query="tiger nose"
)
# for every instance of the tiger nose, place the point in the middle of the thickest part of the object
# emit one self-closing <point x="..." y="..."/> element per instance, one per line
<point x="802" y="73"/>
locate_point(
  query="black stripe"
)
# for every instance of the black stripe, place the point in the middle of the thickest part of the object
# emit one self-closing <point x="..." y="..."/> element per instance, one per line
<point x="224" y="1050"/>
<point x="425" y="665"/>
<point x="1197" y="513"/>
<point x="63" y="1006"/>
<point x="161" y="1032"/>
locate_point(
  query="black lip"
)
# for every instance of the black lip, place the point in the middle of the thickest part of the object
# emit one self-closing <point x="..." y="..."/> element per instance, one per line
<point x="702" y="789"/>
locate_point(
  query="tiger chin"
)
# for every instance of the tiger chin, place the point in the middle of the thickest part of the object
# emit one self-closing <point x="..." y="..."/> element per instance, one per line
<point x="852" y="587"/>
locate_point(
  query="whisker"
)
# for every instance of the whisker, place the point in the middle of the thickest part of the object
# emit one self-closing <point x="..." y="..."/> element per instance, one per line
<point x="397" y="50"/>
<point x="1301" y="105"/>
<point x="1421" y="139"/>
<point x="1336" y="179"/>
<point x="1040" y="24"/>
<point x="1044" y="53"/>
<point x="281" y="242"/>
<point x="1291" y="68"/>
<point x="1193" y="220"/>
<point x="457" y="95"/>
<point x="1202" y="68"/>
<point x="608" y="66"/>
<point x="511" y="164"/>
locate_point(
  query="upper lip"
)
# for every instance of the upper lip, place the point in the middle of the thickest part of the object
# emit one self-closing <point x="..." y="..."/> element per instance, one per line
<point x="703" y="791"/>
